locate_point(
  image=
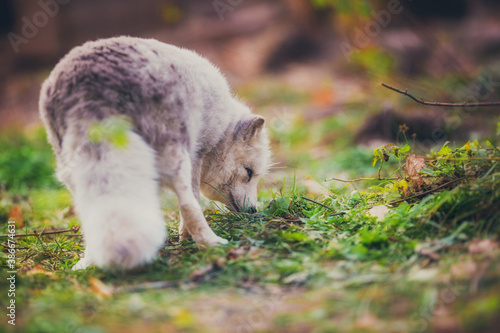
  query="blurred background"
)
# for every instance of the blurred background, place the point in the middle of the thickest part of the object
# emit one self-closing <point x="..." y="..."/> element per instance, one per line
<point x="312" y="67"/>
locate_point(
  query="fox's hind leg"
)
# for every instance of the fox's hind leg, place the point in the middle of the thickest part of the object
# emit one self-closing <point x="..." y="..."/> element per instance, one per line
<point x="116" y="197"/>
<point x="177" y="169"/>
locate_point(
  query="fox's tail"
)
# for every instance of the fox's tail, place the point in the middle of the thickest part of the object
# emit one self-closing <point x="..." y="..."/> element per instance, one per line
<point x="115" y="191"/>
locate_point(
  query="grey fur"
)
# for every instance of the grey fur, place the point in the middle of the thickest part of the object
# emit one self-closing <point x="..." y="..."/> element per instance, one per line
<point x="177" y="102"/>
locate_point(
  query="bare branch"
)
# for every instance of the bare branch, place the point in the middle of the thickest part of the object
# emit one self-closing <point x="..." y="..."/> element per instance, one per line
<point x="44" y="233"/>
<point x="318" y="203"/>
<point x="359" y="179"/>
<point x="452" y="105"/>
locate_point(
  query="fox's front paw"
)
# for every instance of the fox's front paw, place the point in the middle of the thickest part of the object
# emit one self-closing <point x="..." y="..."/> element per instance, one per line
<point x="82" y="264"/>
<point x="212" y="240"/>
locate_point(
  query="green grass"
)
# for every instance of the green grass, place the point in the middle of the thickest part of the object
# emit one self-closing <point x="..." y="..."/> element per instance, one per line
<point x="308" y="261"/>
<point x="298" y="265"/>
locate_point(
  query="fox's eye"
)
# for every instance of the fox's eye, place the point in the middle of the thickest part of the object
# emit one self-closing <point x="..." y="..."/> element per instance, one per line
<point x="249" y="173"/>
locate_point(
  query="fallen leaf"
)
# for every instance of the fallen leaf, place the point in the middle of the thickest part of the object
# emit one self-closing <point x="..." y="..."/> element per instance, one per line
<point x="379" y="212"/>
<point x="200" y="273"/>
<point x="324" y="97"/>
<point x="478" y="246"/>
<point x="100" y="288"/>
<point x="38" y="269"/>
<point x="219" y="262"/>
<point x="16" y="215"/>
<point x="236" y="253"/>
<point x="414" y="164"/>
<point x="366" y="320"/>
<point x="429" y="253"/>
<point x="424" y="274"/>
<point x="297" y="278"/>
<point x="463" y="269"/>
<point x="445" y="324"/>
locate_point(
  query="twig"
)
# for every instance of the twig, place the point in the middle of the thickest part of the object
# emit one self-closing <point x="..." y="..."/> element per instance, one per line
<point x="440" y="158"/>
<point x="423" y="193"/>
<point x="412" y="197"/>
<point x="317" y="203"/>
<point x="44" y="233"/>
<point x="359" y="179"/>
<point x="453" y="105"/>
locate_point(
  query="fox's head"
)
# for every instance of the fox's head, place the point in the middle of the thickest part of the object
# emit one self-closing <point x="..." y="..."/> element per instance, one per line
<point x="231" y="171"/>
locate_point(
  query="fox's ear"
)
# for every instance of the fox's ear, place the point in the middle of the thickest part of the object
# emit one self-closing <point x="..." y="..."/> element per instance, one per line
<point x="248" y="128"/>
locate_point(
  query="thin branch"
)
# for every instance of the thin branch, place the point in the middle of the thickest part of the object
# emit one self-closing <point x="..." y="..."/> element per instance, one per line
<point x="359" y="179"/>
<point x="440" y="158"/>
<point x="412" y="197"/>
<point x="318" y="203"/>
<point x="453" y="105"/>
<point x="43" y="233"/>
<point x="423" y="193"/>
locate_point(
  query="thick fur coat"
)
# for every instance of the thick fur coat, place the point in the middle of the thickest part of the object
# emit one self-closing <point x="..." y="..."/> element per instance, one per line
<point x="127" y="115"/>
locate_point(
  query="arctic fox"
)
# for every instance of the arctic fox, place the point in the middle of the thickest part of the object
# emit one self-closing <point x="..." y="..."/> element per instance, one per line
<point x="127" y="115"/>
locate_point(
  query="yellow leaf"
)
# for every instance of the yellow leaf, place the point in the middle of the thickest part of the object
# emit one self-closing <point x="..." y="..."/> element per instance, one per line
<point x="15" y="214"/>
<point x="38" y="269"/>
<point x="100" y="288"/>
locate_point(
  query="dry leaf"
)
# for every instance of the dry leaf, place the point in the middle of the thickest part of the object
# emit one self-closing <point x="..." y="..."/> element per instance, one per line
<point x="38" y="269"/>
<point x="297" y="278"/>
<point x="445" y="324"/>
<point x="324" y="97"/>
<point x="482" y="246"/>
<point x="379" y="212"/>
<point x="424" y="274"/>
<point x="100" y="288"/>
<point x="200" y="273"/>
<point x="16" y="215"/>
<point x="414" y="164"/>
<point x="426" y="252"/>
<point x="463" y="269"/>
<point x="236" y="253"/>
<point x="366" y="320"/>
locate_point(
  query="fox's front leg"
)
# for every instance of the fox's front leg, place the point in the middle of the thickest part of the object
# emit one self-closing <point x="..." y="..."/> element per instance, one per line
<point x="195" y="185"/>
<point x="193" y="222"/>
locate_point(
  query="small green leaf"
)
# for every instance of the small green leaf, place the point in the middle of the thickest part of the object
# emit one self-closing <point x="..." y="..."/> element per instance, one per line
<point x="428" y="171"/>
<point x="445" y="150"/>
<point x="405" y="149"/>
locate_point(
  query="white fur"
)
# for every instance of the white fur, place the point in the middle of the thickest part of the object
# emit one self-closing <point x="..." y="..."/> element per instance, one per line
<point x="117" y="200"/>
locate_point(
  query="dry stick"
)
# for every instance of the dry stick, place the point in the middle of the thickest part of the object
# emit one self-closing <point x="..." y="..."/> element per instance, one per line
<point x="462" y="159"/>
<point x="452" y="105"/>
<point x="359" y="179"/>
<point x="423" y="193"/>
<point x="43" y="233"/>
<point x="317" y="203"/>
<point x="412" y="197"/>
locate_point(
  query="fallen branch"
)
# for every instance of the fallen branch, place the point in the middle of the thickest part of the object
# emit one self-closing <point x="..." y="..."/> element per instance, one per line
<point x="318" y="203"/>
<point x="423" y="193"/>
<point x="452" y="105"/>
<point x="359" y="179"/>
<point x="44" y="233"/>
<point x="441" y="158"/>
<point x="411" y="197"/>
